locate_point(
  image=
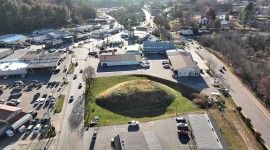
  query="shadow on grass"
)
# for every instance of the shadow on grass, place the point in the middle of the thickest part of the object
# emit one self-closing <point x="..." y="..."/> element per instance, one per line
<point x="150" y="111"/>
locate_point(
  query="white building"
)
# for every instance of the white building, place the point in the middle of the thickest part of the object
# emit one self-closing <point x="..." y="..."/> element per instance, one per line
<point x="13" y="67"/>
<point x="5" y="52"/>
<point x="182" y="63"/>
<point x="119" y="60"/>
<point x="186" y="32"/>
<point x="133" y="50"/>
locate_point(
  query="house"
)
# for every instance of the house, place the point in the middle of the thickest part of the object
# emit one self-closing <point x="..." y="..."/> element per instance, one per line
<point x="183" y="64"/>
<point x="38" y="39"/>
<point x="157" y="47"/>
<point x="42" y="31"/>
<point x="205" y="20"/>
<point x="146" y="140"/>
<point x="11" y="39"/>
<point x="4" y="52"/>
<point x="97" y="34"/>
<point x="119" y="60"/>
<point x="86" y="28"/>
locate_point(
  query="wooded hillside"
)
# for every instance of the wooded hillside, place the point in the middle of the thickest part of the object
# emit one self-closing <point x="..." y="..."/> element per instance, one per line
<point x="20" y="16"/>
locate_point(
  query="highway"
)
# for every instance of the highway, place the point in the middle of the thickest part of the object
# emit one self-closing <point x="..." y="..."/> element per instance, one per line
<point x="242" y="96"/>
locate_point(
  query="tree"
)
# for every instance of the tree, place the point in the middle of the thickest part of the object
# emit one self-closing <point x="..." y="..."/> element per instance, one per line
<point x="89" y="74"/>
<point x="227" y="17"/>
<point x="264" y="88"/>
<point x="210" y="12"/>
<point x="247" y="14"/>
<point x="159" y="20"/>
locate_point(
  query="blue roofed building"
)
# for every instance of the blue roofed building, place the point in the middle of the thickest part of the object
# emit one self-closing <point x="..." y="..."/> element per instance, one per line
<point x="11" y="38"/>
<point x="157" y="47"/>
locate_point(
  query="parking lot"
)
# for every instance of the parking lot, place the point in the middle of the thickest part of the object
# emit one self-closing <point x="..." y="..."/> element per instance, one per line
<point x="165" y="129"/>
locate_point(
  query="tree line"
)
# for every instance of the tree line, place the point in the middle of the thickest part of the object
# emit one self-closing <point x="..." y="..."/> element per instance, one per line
<point x="28" y="15"/>
<point x="248" y="55"/>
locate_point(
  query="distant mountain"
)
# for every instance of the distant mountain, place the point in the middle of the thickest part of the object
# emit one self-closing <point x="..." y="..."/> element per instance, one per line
<point x="20" y="16"/>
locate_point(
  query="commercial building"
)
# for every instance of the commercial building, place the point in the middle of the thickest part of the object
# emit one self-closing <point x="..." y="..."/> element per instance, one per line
<point x="133" y="50"/>
<point x="157" y="47"/>
<point x="118" y="60"/>
<point x="11" y="39"/>
<point x="206" y="135"/>
<point x="9" y="115"/>
<point x="182" y="63"/>
<point x="13" y="67"/>
<point x="4" y="52"/>
<point x="137" y="141"/>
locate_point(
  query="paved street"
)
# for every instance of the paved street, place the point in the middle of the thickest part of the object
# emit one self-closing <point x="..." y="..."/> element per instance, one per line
<point x="243" y="97"/>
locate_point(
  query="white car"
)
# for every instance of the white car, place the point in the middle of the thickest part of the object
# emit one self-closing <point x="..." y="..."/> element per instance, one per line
<point x="133" y="123"/>
<point x="37" y="102"/>
<point x="37" y="129"/>
<point x="52" y="102"/>
<point x="41" y="101"/>
<point x="2" y="101"/>
<point x="17" y="101"/>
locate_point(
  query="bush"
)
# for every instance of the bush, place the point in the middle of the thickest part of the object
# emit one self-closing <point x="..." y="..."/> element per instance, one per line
<point x="202" y="103"/>
<point x="238" y="108"/>
<point x="248" y="121"/>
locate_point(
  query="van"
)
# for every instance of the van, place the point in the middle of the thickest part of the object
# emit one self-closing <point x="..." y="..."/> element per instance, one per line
<point x="29" y="129"/>
<point x="22" y="129"/>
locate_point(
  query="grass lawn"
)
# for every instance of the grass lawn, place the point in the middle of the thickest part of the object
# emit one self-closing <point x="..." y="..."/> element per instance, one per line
<point x="71" y="68"/>
<point x="107" y="117"/>
<point x="59" y="104"/>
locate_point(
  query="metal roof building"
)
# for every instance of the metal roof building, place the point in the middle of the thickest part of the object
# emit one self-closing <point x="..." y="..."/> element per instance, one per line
<point x="146" y="140"/>
<point x="157" y="47"/>
<point x="11" y="38"/>
<point x="118" y="60"/>
<point x="204" y="133"/>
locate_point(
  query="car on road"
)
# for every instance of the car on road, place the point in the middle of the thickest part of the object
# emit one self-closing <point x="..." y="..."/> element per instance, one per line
<point x="37" y="129"/>
<point x="133" y="123"/>
<point x="36" y="102"/>
<point x="182" y="128"/>
<point x="71" y="98"/>
<point x="81" y="70"/>
<point x="76" y="64"/>
<point x="167" y="66"/>
<point x="36" y="96"/>
<point x="221" y="70"/>
<point x="75" y="76"/>
<point x="33" y="113"/>
<point x="80" y="85"/>
<point x="50" y="96"/>
<point x="92" y="53"/>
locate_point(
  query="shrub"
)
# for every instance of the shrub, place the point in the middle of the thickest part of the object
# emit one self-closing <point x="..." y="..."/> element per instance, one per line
<point x="257" y="135"/>
<point x="239" y="108"/>
<point x="202" y="103"/>
<point x="248" y="121"/>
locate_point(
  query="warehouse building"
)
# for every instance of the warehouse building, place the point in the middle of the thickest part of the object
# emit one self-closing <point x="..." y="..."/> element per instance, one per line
<point x="4" y="52"/>
<point x="182" y="63"/>
<point x="11" y="39"/>
<point x="206" y="134"/>
<point x="147" y="140"/>
<point x="119" y="60"/>
<point x="157" y="47"/>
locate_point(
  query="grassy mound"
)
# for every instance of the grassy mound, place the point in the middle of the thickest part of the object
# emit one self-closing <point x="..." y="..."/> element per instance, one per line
<point x="135" y="95"/>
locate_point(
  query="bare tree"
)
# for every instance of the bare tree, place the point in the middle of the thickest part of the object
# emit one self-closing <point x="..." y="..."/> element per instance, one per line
<point x="89" y="74"/>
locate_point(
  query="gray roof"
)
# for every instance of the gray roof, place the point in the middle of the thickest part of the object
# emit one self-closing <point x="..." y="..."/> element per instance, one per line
<point x="21" y="121"/>
<point x="158" y="45"/>
<point x="147" y="140"/>
<point x="180" y="60"/>
<point x="9" y="38"/>
<point x="41" y="59"/>
<point x="4" y="50"/>
<point x="122" y="57"/>
<point x="204" y="133"/>
<point x="152" y="140"/>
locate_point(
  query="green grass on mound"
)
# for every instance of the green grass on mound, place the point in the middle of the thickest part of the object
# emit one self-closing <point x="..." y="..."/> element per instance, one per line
<point x="140" y="101"/>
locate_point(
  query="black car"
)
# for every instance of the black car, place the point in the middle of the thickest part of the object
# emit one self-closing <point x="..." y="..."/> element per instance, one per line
<point x="11" y="104"/>
<point x="36" y="96"/>
<point x="92" y="53"/>
<point x="34" y="114"/>
<point x="44" y="95"/>
<point x="15" y="95"/>
<point x="76" y="64"/>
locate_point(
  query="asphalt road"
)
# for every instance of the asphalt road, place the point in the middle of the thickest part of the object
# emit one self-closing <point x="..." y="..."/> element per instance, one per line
<point x="243" y="97"/>
<point x="70" y="136"/>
